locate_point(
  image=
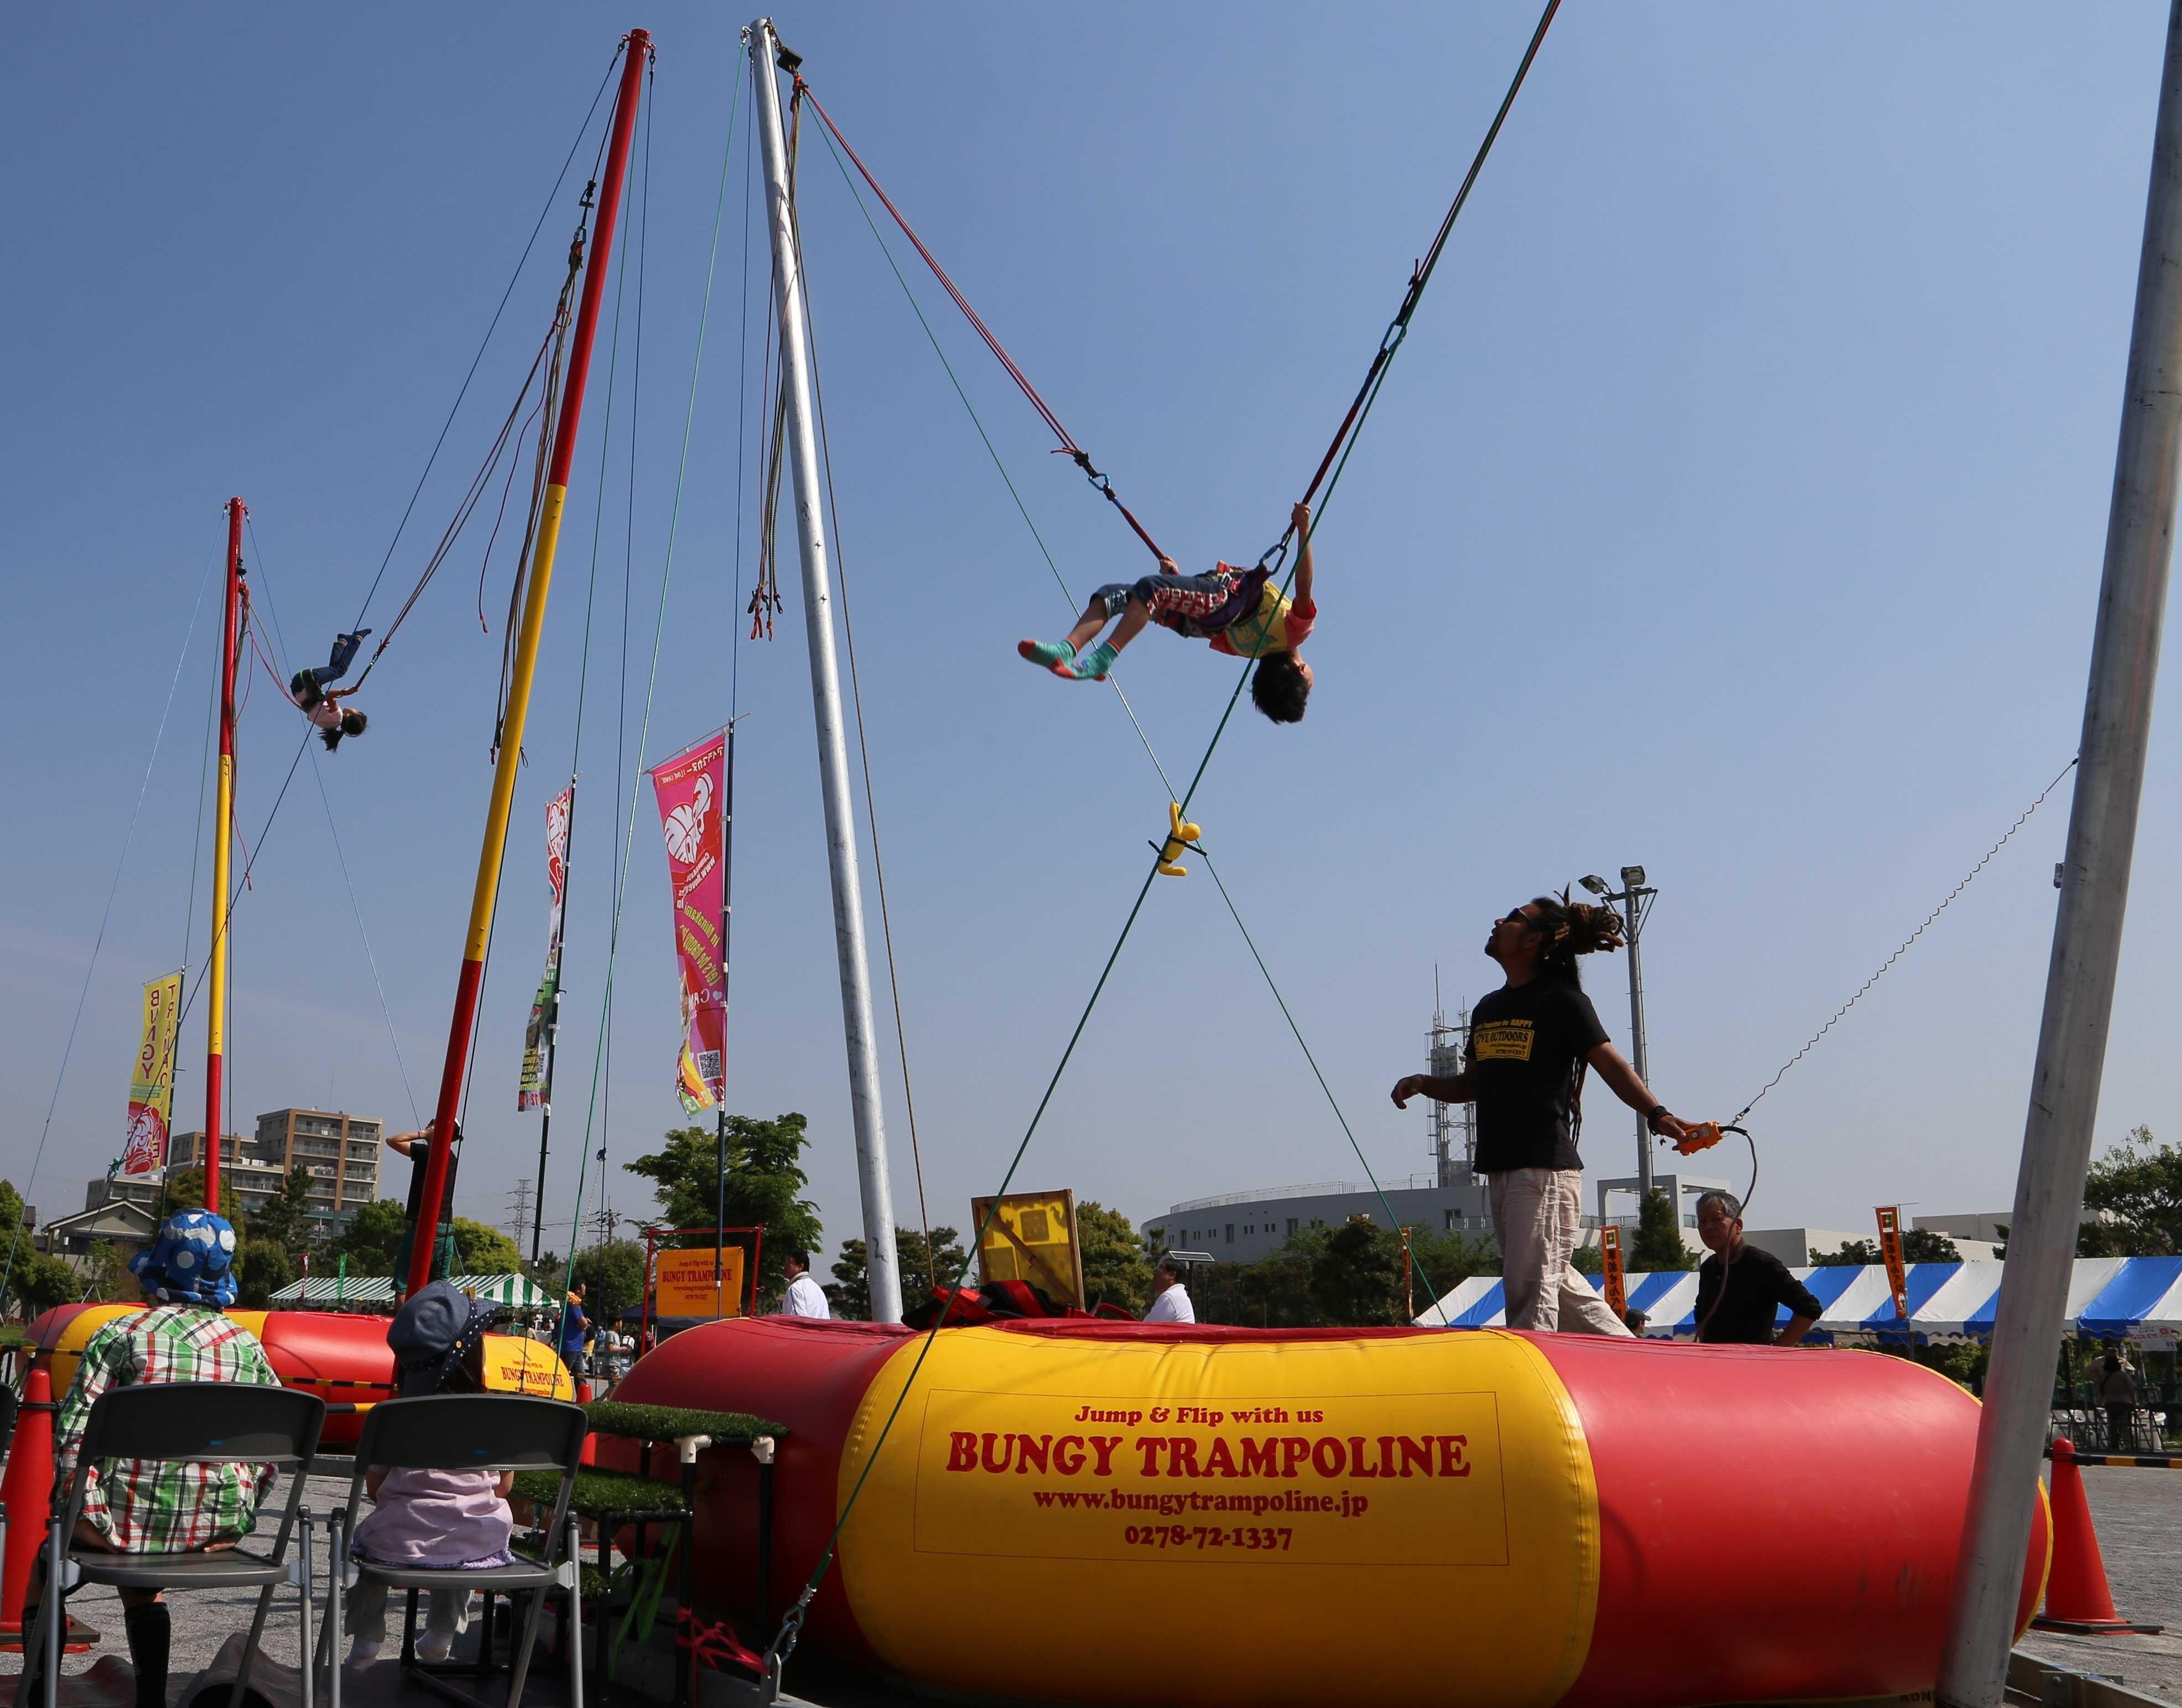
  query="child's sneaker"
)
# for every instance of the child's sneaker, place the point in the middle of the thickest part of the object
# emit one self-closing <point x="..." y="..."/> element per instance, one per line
<point x="363" y="1652"/>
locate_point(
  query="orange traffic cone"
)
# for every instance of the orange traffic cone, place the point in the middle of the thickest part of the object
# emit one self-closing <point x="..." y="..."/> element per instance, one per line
<point x="2077" y="1598"/>
<point x="27" y="1492"/>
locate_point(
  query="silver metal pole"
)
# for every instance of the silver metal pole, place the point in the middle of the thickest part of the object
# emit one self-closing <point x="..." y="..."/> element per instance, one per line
<point x="1635" y="904"/>
<point x="841" y="861"/>
<point x="2079" y="978"/>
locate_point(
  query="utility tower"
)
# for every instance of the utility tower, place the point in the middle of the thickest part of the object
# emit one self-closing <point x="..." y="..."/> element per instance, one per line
<point x="1454" y="1125"/>
<point x="519" y="1210"/>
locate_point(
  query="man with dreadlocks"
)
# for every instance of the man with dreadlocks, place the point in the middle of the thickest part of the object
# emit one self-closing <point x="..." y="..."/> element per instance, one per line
<point x="1242" y="612"/>
<point x="1531" y="1043"/>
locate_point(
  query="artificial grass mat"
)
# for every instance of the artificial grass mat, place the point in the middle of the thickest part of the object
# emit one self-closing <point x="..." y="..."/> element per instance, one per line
<point x="642" y="1422"/>
<point x="611" y="1495"/>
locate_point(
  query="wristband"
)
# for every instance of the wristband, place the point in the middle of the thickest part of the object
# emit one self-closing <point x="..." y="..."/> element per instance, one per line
<point x="1652" y="1115"/>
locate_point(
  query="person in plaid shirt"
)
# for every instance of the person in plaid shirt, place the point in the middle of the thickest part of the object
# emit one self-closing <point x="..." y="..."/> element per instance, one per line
<point x="131" y="1506"/>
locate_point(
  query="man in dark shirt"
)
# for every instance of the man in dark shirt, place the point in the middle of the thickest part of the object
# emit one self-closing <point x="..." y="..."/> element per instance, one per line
<point x="1531" y="1043"/>
<point x="1742" y="1311"/>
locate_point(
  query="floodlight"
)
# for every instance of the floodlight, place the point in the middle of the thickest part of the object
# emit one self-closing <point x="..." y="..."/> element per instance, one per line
<point x="1631" y="877"/>
<point x="1595" y="884"/>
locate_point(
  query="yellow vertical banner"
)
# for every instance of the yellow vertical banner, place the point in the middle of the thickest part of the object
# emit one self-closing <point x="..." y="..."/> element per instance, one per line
<point x="152" y="1089"/>
<point x="1617" y="1285"/>
<point x="1890" y="1250"/>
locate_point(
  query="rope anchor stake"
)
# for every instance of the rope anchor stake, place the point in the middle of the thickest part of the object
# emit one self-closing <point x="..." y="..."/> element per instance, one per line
<point x="1180" y="837"/>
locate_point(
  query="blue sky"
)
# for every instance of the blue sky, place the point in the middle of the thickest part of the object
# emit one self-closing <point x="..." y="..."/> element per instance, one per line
<point x="1735" y="509"/>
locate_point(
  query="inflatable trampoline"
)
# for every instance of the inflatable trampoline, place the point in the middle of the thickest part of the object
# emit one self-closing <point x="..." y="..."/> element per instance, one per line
<point x="1093" y="1512"/>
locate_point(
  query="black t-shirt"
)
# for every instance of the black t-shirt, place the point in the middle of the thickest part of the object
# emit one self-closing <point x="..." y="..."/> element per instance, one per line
<point x="1526" y="1048"/>
<point x="1757" y="1285"/>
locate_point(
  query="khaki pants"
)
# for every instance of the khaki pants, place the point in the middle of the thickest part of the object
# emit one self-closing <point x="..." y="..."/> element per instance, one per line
<point x="1538" y="1215"/>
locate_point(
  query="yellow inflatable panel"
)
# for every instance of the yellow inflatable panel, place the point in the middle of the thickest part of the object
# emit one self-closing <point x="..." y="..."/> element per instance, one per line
<point x="1205" y="1503"/>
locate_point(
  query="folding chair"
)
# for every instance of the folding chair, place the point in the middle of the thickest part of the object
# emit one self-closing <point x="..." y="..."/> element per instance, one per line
<point x="470" y="1432"/>
<point x="185" y="1423"/>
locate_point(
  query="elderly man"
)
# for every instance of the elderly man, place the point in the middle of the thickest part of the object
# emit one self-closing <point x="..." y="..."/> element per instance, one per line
<point x="1170" y="1294"/>
<point x="1740" y="1287"/>
<point x="131" y="1506"/>
<point x="804" y="1297"/>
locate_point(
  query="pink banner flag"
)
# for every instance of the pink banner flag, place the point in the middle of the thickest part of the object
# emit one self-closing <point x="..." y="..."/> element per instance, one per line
<point x="692" y="817"/>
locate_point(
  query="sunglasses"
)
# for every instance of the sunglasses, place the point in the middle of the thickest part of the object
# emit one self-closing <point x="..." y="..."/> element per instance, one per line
<point x="1517" y="916"/>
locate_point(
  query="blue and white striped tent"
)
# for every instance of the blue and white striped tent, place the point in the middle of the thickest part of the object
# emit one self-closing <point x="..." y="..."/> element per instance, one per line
<point x="2109" y="1298"/>
<point x="2146" y="1293"/>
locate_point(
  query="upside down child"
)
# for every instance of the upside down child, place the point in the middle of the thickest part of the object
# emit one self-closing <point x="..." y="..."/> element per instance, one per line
<point x="1241" y="612"/>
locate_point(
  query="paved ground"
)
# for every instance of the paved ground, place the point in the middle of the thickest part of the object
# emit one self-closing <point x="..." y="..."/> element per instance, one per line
<point x="2138" y="1515"/>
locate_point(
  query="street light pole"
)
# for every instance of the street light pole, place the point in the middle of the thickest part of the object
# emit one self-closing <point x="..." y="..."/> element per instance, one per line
<point x="1632" y="896"/>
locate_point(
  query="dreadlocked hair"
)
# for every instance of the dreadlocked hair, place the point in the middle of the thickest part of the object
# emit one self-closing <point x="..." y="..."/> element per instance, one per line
<point x="1571" y="929"/>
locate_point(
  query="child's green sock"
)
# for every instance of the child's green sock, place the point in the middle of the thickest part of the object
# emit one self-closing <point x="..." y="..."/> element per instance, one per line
<point x="1092" y="666"/>
<point x="1046" y="652"/>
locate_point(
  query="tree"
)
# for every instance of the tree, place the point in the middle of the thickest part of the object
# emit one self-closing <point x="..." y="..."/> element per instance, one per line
<point x="850" y="1293"/>
<point x="2136" y="1191"/>
<point x="1853" y="1252"/>
<point x="35" y="1281"/>
<point x="1441" y="1262"/>
<point x="1588" y="1260"/>
<point x="38" y="1281"/>
<point x="373" y="1238"/>
<point x="1115" y="1268"/>
<point x="849" y="1297"/>
<point x="185" y="1190"/>
<point x="265" y="1269"/>
<point x="483" y="1250"/>
<point x="764" y="1180"/>
<point x="612" y="1278"/>
<point x="1659" y="1244"/>
<point x="1929" y="1245"/>
<point x="1357" y="1281"/>
<point x="111" y="1281"/>
<point x="284" y="1221"/>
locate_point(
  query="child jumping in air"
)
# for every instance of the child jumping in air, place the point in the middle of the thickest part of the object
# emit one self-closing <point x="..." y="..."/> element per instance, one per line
<point x="322" y="704"/>
<point x="431" y="1520"/>
<point x="1241" y="612"/>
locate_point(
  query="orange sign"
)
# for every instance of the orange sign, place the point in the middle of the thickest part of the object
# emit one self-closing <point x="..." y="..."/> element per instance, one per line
<point x="1617" y="1289"/>
<point x="704" y="1282"/>
<point x="1890" y="1250"/>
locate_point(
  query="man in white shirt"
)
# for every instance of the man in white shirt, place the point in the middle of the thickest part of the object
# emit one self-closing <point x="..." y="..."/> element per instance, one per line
<point x="805" y="1297"/>
<point x="1170" y="1298"/>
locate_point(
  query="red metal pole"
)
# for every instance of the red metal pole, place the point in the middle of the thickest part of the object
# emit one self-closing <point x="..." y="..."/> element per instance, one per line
<point x="222" y="839"/>
<point x="472" y="980"/>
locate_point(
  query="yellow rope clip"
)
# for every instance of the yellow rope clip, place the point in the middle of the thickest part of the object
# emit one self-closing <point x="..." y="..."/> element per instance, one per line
<point x="1179" y="837"/>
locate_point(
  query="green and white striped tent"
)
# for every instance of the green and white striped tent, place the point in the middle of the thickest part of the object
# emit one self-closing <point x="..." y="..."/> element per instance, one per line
<point x="376" y="1293"/>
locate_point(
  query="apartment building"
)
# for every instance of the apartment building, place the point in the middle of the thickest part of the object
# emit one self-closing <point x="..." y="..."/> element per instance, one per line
<point x="340" y="1151"/>
<point x="248" y="1176"/>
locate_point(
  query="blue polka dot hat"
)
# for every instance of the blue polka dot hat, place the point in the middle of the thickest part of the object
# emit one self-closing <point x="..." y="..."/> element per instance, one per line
<point x="191" y="1261"/>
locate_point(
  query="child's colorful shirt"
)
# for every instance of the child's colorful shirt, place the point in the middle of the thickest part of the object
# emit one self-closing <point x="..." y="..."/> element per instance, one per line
<point x="1279" y="625"/>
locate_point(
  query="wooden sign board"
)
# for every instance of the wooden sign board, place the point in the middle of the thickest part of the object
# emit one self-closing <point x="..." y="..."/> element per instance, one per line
<point x="1032" y="1238"/>
<point x="685" y="1286"/>
<point x="1617" y="1290"/>
<point x="1890" y="1250"/>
